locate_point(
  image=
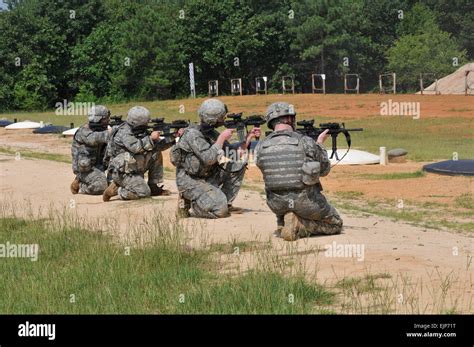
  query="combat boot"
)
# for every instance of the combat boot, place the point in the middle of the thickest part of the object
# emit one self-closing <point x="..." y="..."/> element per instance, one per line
<point x="158" y="190"/>
<point x="112" y="190"/>
<point x="75" y="186"/>
<point x="292" y="227"/>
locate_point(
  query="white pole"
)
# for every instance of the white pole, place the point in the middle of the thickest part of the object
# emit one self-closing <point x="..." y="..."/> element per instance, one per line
<point x="383" y="155"/>
<point x="191" y="80"/>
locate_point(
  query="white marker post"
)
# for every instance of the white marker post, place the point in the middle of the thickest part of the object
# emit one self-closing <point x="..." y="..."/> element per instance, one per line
<point x="383" y="156"/>
<point x="191" y="80"/>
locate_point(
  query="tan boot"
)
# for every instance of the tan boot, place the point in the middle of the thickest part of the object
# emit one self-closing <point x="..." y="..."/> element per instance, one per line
<point x="292" y="226"/>
<point x="75" y="186"/>
<point x="112" y="190"/>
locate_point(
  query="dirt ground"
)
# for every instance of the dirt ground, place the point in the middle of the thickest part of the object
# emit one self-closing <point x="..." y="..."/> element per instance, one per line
<point x="419" y="261"/>
<point x="424" y="256"/>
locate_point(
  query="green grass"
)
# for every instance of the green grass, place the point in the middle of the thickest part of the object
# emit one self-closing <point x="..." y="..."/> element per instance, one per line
<point x="165" y="277"/>
<point x="465" y="200"/>
<point x="36" y="155"/>
<point x="235" y="247"/>
<point x="349" y="194"/>
<point x="364" y="284"/>
<point x="170" y="109"/>
<point x="425" y="139"/>
<point x="393" y="175"/>
<point x="425" y="215"/>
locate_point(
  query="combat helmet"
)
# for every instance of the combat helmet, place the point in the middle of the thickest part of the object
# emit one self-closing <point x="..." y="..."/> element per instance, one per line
<point x="97" y="113"/>
<point x="138" y="116"/>
<point x="212" y="111"/>
<point x="277" y="110"/>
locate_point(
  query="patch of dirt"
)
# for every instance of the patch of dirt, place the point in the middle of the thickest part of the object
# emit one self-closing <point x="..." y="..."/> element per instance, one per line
<point x="389" y="247"/>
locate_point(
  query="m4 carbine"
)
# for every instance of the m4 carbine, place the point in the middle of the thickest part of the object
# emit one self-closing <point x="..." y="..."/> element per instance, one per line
<point x="335" y="129"/>
<point x="235" y="121"/>
<point x="115" y="120"/>
<point x="167" y="129"/>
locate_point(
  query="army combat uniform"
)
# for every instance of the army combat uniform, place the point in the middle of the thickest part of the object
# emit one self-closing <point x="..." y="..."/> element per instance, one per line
<point x="131" y="155"/>
<point x="210" y="187"/>
<point x="88" y="149"/>
<point x="291" y="164"/>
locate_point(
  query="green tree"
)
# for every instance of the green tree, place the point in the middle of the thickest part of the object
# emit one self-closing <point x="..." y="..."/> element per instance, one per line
<point x="457" y="18"/>
<point x="431" y="51"/>
<point x="330" y="37"/>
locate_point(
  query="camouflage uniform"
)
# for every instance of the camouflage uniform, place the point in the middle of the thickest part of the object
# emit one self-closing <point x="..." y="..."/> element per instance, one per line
<point x="132" y="154"/>
<point x="210" y="187"/>
<point x="291" y="164"/>
<point x="88" y="149"/>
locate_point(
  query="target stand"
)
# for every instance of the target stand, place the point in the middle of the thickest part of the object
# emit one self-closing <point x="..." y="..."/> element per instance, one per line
<point x="314" y="78"/>
<point x="351" y="76"/>
<point x="288" y="84"/>
<point x="468" y="86"/>
<point x="213" y="87"/>
<point x="392" y="88"/>
<point x="261" y="85"/>
<point x="422" y="84"/>
<point x="236" y="86"/>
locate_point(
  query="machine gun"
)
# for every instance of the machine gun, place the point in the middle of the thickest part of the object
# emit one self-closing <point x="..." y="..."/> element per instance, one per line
<point x="235" y="121"/>
<point x="334" y="130"/>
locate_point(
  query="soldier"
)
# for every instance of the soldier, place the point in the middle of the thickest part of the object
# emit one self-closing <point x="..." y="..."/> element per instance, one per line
<point x="133" y="152"/>
<point x="88" y="149"/>
<point x="291" y="164"/>
<point x="206" y="184"/>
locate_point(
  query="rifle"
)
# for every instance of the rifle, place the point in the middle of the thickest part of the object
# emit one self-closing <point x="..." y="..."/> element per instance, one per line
<point x="116" y="120"/>
<point x="158" y="124"/>
<point x="237" y="122"/>
<point x="334" y="130"/>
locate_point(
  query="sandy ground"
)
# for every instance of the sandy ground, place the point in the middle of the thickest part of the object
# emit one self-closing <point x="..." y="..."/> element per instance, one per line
<point x="430" y="270"/>
<point x="416" y="258"/>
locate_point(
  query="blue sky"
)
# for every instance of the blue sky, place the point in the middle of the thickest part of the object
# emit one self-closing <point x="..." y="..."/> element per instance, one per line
<point x="2" y="5"/>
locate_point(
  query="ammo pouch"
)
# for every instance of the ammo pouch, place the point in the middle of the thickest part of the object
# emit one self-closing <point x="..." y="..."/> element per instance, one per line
<point x="176" y="155"/>
<point x="189" y="162"/>
<point x="84" y="164"/>
<point x="310" y="172"/>
<point x="124" y="163"/>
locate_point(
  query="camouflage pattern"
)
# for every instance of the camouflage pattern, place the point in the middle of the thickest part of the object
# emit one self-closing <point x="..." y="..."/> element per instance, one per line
<point x="131" y="156"/>
<point x="278" y="109"/>
<point x="97" y="113"/>
<point x="88" y="148"/>
<point x="282" y="171"/>
<point x="212" y="111"/>
<point x="138" y="116"/>
<point x="209" y="187"/>
<point x="311" y="207"/>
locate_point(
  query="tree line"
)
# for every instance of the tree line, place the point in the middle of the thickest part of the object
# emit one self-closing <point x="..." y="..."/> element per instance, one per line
<point x="118" y="50"/>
